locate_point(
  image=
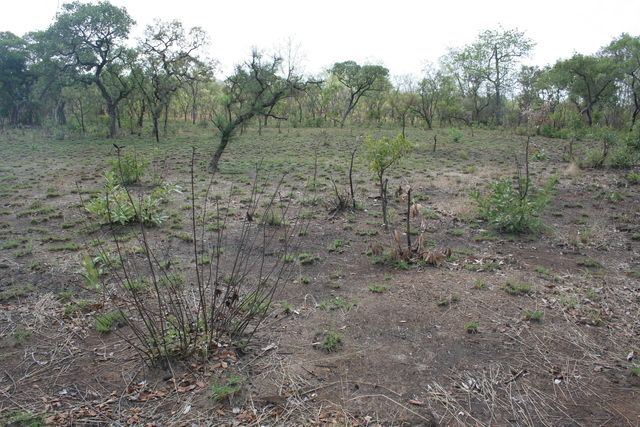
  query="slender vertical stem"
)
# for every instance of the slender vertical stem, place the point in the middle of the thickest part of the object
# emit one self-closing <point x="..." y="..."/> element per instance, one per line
<point x="353" y="194"/>
<point x="409" y="218"/>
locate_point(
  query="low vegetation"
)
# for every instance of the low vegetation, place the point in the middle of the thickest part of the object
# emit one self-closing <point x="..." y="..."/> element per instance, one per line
<point x="224" y="282"/>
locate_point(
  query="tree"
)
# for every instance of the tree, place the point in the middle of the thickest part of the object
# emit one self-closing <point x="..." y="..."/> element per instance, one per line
<point x="358" y="80"/>
<point x="472" y="88"/>
<point x="404" y="99"/>
<point x="437" y="96"/>
<point x="15" y="77"/>
<point x="87" y="41"/>
<point x="168" y="61"/>
<point x="625" y="50"/>
<point x="382" y="154"/>
<point x="494" y="57"/>
<point x="589" y="80"/>
<point x="255" y="88"/>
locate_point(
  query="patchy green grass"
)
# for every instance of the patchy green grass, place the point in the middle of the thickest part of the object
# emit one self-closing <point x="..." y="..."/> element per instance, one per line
<point x="71" y="246"/>
<point x="306" y="259"/>
<point x="377" y="289"/>
<point x="514" y="288"/>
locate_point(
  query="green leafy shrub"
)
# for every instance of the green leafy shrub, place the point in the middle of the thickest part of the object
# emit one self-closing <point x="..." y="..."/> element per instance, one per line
<point x="116" y="205"/>
<point x="509" y="210"/>
<point x="633" y="178"/>
<point x="539" y="156"/>
<point x="382" y="154"/>
<point x="456" y="135"/>
<point x="130" y="167"/>
<point x="622" y="158"/>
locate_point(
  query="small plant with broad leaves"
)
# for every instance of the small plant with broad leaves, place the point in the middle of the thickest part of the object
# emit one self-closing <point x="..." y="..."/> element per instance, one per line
<point x="115" y="205"/>
<point x="512" y="210"/>
<point x="90" y="272"/>
<point x="130" y="167"/>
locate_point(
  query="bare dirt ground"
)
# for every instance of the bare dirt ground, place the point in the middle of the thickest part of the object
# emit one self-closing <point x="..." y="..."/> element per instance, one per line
<point x="427" y="345"/>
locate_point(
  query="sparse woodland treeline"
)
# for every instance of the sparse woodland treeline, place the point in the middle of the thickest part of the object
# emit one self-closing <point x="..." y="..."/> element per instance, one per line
<point x="84" y="74"/>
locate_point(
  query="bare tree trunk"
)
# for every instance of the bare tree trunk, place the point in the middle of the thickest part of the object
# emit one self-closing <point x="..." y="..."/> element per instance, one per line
<point x="383" y="194"/>
<point x="353" y="194"/>
<point x="409" y="219"/>
<point x="166" y="118"/>
<point x="112" y="111"/>
<point x="213" y="164"/>
<point x="143" y="109"/>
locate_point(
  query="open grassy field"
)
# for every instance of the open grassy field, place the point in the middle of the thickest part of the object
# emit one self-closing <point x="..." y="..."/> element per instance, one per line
<point x="476" y="328"/>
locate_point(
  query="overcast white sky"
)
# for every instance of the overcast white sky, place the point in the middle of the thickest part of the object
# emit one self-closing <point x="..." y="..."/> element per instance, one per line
<point x="400" y="34"/>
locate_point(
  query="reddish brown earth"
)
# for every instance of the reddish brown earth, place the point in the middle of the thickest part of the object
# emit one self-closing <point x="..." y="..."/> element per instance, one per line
<point x="404" y="356"/>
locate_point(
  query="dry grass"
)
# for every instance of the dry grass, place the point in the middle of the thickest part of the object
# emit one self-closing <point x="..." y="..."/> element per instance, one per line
<point x="573" y="170"/>
<point x="406" y="360"/>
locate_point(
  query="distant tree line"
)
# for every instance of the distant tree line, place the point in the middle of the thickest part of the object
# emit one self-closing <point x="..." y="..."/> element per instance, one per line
<point x="83" y="74"/>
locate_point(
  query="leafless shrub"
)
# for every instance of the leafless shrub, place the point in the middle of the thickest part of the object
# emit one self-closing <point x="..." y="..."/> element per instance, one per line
<point x="226" y="290"/>
<point x="341" y="200"/>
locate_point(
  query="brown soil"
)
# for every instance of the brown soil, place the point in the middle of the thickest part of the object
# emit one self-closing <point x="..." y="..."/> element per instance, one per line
<point x="405" y="356"/>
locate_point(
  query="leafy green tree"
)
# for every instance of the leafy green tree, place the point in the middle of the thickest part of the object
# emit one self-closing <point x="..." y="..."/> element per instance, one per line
<point x="359" y="80"/>
<point x="625" y="50"/>
<point x="437" y="97"/>
<point x="404" y="99"/>
<point x="169" y="60"/>
<point x="589" y="80"/>
<point x="318" y="101"/>
<point x="473" y="92"/>
<point x="255" y="88"/>
<point x="83" y="106"/>
<point x="15" y="77"/>
<point x="528" y="80"/>
<point x="87" y="41"/>
<point x="494" y="57"/>
<point x="382" y="154"/>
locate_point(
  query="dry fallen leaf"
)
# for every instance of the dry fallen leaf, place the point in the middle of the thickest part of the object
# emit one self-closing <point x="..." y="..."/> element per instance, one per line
<point x="275" y="399"/>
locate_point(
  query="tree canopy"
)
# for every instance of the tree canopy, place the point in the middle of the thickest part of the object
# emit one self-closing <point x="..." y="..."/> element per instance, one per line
<point x="169" y="61"/>
<point x="86" y="67"/>
<point x="15" y="77"/>
<point x="359" y="80"/>
<point x="492" y="59"/>
<point x="87" y="41"/>
<point x="254" y="89"/>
